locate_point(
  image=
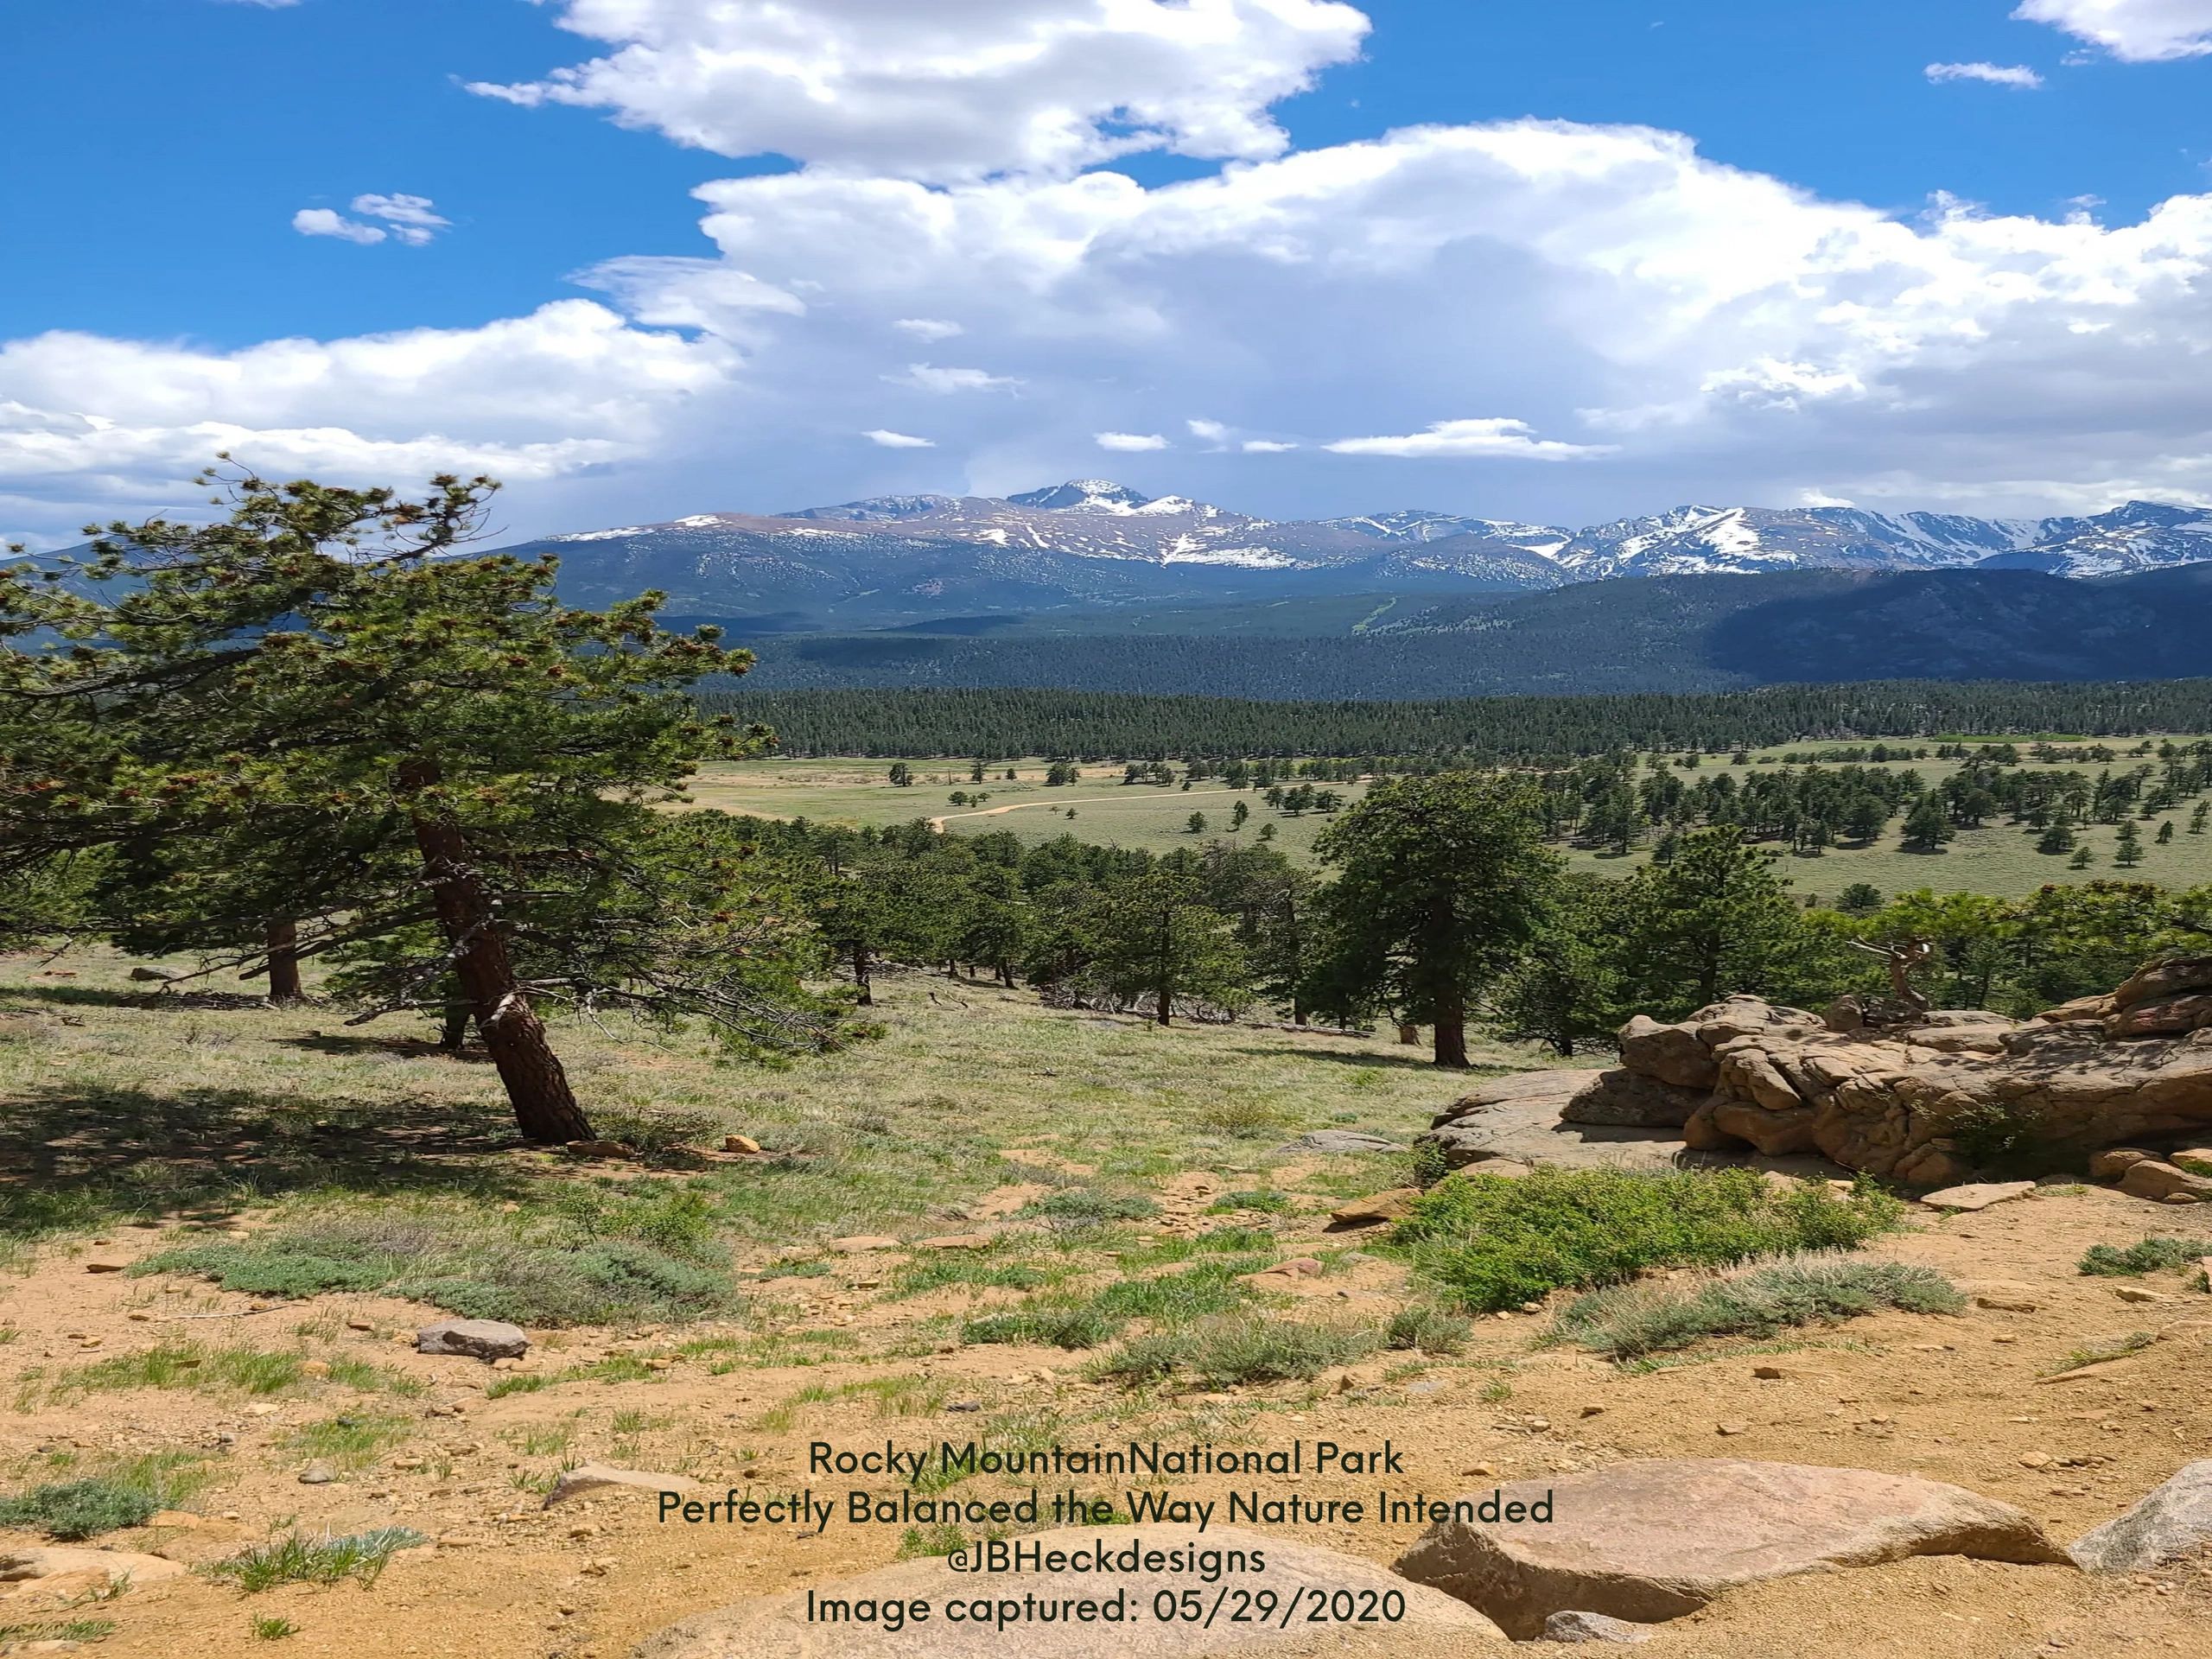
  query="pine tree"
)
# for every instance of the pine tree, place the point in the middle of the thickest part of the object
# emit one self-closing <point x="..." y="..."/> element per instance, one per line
<point x="2165" y="833"/>
<point x="1927" y="826"/>
<point x="1154" y="936"/>
<point x="2128" y="846"/>
<point x="1196" y="825"/>
<point x="902" y="775"/>
<point x="1237" y="815"/>
<point x="1715" y="919"/>
<point x="1441" y="882"/>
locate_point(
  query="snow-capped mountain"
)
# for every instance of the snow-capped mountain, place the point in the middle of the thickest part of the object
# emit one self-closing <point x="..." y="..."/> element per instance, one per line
<point x="1090" y="543"/>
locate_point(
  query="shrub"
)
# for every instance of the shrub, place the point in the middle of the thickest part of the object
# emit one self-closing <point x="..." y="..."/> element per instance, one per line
<point x="1491" y="1242"/>
<point x="1426" y="1329"/>
<point x="2151" y="1254"/>
<point x="79" y="1508"/>
<point x="1048" y="1324"/>
<point x="1263" y="1200"/>
<point x="1085" y="1206"/>
<point x="1627" y="1321"/>
<point x="1225" y="1351"/>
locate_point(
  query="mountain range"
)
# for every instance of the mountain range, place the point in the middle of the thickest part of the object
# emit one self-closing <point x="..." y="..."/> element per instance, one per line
<point x="909" y="560"/>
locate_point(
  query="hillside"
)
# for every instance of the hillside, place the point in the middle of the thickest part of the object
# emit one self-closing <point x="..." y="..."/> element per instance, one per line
<point x="1674" y="634"/>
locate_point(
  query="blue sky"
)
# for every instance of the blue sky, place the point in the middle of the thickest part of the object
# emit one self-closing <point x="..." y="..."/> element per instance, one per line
<point x="1568" y="334"/>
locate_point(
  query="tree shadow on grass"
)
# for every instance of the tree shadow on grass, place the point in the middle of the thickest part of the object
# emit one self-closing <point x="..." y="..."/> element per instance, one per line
<point x="105" y="996"/>
<point x="1336" y="1057"/>
<point x="411" y="1048"/>
<point x="73" y="1158"/>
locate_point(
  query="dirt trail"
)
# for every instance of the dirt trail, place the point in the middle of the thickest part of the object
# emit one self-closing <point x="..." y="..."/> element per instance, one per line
<point x="938" y="824"/>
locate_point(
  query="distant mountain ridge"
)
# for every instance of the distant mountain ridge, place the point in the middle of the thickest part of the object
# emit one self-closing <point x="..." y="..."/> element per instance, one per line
<point x="897" y="560"/>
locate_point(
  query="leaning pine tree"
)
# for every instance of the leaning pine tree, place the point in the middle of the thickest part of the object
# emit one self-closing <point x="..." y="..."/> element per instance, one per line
<point x="318" y="727"/>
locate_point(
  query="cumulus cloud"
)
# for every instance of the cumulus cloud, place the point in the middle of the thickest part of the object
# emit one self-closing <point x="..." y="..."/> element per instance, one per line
<point x="1471" y="439"/>
<point x="1211" y="432"/>
<point x="2134" y="31"/>
<point x="951" y="91"/>
<point x="889" y="440"/>
<point x="2016" y="75"/>
<point x="90" y="425"/>
<point x="408" y="219"/>
<point x="1267" y="446"/>
<point x="927" y="329"/>
<point x="1129" y="443"/>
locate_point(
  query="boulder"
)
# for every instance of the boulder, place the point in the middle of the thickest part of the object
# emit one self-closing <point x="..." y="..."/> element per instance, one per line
<point x="2165" y="1017"/>
<point x="601" y="1477"/>
<point x="1979" y="1196"/>
<point x="2172" y="1521"/>
<point x="477" y="1338"/>
<point x="1628" y="1097"/>
<point x="21" y="1565"/>
<point x="2158" y="980"/>
<point x="2115" y="1161"/>
<point x="777" y="1626"/>
<point x="1375" y="1210"/>
<point x="2082" y="1007"/>
<point x="1653" y="1540"/>
<point x="2150" y="1177"/>
<point x="1668" y="1054"/>
<point x="1578" y="1626"/>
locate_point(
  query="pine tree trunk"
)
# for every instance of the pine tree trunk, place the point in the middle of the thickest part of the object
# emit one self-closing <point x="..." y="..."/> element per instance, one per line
<point x="545" y="1107"/>
<point x="283" y="939"/>
<point x="1165" y="1014"/>
<point x="452" y="1034"/>
<point x="861" y="975"/>
<point x="1452" y="1033"/>
<point x="1408" y="1034"/>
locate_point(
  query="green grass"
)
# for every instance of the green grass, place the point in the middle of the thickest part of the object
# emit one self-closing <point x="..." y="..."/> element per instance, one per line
<point x="1237" y="1350"/>
<point x="1489" y="1243"/>
<point x="66" y="1629"/>
<point x="241" y="1370"/>
<point x="1630" y="1321"/>
<point x="1172" y="1298"/>
<point x="1083" y="1206"/>
<point x="1424" y="1328"/>
<point x="294" y="1558"/>
<point x="347" y="1442"/>
<point x="1262" y="1200"/>
<point x="2154" y="1254"/>
<point x="2096" y="1353"/>
<point x="272" y="1629"/>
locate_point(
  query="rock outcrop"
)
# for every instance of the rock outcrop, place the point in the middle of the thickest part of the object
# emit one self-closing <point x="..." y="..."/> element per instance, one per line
<point x="2173" y="1521"/>
<point x="1904" y="1095"/>
<point x="1652" y="1539"/>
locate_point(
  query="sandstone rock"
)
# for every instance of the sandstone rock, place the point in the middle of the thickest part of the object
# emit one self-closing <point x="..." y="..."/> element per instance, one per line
<point x="1593" y="1627"/>
<point x="1649" y="1540"/>
<point x="601" y="1477"/>
<point x="1978" y="1196"/>
<point x="1668" y="1054"/>
<point x="740" y="1143"/>
<point x="860" y="1243"/>
<point x="1284" y="1272"/>
<point x="1339" y="1141"/>
<point x="2167" y="1016"/>
<point x="1375" y="1210"/>
<point x="2082" y="1007"/>
<point x="2004" y="1297"/>
<point x="2171" y="1521"/>
<point x="116" y="1565"/>
<point x="777" y="1627"/>
<point x="2151" y="1178"/>
<point x="477" y="1338"/>
<point x="2111" y="1164"/>
<point x="1625" y="1096"/>
<point x="107" y="1264"/>
<point x="2161" y="980"/>
<point x="145" y="976"/>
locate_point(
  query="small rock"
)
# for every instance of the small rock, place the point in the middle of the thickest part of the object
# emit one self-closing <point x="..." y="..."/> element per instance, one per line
<point x="859" y="1243"/>
<point x="107" y="1264"/>
<point x="1978" y="1195"/>
<point x="2172" y="1521"/>
<point x="956" y="1242"/>
<point x="461" y="1541"/>
<point x="2006" y="1298"/>
<point x="360" y="1323"/>
<point x="314" y="1368"/>
<point x="1375" y="1210"/>
<point x="601" y="1149"/>
<point x="2137" y="1293"/>
<point x="2037" y="1460"/>
<point x="1338" y="1140"/>
<point x="2116" y="1161"/>
<point x="1767" y="1373"/>
<point x="317" y="1474"/>
<point x="740" y="1143"/>
<point x="1733" y="1428"/>
<point x="476" y="1339"/>
<point x="965" y="1405"/>
<point x="1593" y="1627"/>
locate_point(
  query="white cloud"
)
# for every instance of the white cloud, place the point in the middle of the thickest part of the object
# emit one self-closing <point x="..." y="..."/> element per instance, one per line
<point x="90" y="426"/>
<point x="925" y="377"/>
<point x="890" y="440"/>
<point x="1471" y="439"/>
<point x="1129" y="443"/>
<point x="950" y="89"/>
<point x="2017" y="75"/>
<point x="272" y="5"/>
<point x="408" y="219"/>
<point x="2134" y="31"/>
<point x="927" y="329"/>
<point x="322" y="221"/>
<point x="1211" y="432"/>
<point x="1267" y="446"/>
